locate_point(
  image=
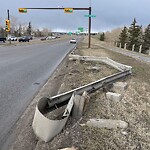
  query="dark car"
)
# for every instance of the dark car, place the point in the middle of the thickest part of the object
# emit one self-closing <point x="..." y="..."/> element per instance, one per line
<point x="30" y="37"/>
<point x="24" y="39"/>
<point x="3" y="39"/>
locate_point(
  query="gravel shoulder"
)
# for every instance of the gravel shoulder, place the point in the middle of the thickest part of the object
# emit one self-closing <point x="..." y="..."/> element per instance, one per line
<point x="134" y="108"/>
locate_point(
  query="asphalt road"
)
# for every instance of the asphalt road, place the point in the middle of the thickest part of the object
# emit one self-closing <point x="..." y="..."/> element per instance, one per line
<point x="23" y="70"/>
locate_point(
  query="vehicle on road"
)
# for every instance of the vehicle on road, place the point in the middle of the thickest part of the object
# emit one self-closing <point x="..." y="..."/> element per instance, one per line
<point x="12" y="38"/>
<point x="73" y="41"/>
<point x="24" y="39"/>
<point x="3" y="39"/>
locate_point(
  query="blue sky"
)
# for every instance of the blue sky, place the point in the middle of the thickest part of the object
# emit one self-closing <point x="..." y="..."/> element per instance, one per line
<point x="110" y="14"/>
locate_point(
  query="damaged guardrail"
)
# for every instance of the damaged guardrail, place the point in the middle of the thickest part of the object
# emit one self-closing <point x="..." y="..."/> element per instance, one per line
<point x="62" y="99"/>
<point x="106" y="60"/>
<point x="45" y="128"/>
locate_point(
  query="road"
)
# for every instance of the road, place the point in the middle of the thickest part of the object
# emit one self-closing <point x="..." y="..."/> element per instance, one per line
<point x="23" y="70"/>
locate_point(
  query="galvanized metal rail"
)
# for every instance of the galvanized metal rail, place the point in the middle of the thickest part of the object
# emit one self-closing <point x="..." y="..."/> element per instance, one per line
<point x="46" y="128"/>
<point x="61" y="99"/>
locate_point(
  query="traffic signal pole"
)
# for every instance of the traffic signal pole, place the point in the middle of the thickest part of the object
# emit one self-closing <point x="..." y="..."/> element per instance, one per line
<point x="89" y="46"/>
<point x="8" y="13"/>
<point x="89" y="9"/>
<point x="8" y="19"/>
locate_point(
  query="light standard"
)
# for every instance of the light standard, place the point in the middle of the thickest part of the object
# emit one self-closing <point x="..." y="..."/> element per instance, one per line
<point x="90" y="9"/>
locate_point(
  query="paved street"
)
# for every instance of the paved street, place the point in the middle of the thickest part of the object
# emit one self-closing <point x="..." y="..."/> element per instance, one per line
<point x="23" y="70"/>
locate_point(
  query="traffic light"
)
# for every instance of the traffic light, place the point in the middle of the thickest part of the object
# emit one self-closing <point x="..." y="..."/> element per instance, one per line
<point x="7" y="25"/>
<point x="22" y="10"/>
<point x="68" y="10"/>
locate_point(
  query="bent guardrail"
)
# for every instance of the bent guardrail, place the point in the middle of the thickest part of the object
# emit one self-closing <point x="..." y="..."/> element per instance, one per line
<point x="45" y="128"/>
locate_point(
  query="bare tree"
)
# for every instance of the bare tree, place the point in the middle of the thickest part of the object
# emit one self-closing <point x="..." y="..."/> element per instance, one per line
<point x="45" y="32"/>
<point x="29" y="29"/>
<point x="14" y="24"/>
<point x="113" y="35"/>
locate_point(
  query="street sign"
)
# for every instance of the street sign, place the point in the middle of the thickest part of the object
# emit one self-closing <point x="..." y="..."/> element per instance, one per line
<point x="68" y="10"/>
<point x="80" y="29"/>
<point x="70" y="33"/>
<point x="22" y="10"/>
<point x="77" y="32"/>
<point x="92" y="16"/>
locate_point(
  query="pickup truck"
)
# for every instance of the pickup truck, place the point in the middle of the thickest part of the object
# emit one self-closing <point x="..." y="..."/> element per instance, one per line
<point x="3" y="39"/>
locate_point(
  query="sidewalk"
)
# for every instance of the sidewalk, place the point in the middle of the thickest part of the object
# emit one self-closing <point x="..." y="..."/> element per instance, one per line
<point x="138" y="56"/>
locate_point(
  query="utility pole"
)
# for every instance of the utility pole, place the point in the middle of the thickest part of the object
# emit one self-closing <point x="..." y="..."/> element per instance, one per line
<point x="8" y="13"/>
<point x="89" y="46"/>
<point x="9" y="31"/>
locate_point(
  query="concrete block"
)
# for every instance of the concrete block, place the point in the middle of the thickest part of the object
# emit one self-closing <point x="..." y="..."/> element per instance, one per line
<point x="119" y="86"/>
<point x="86" y="100"/>
<point x="78" y="107"/>
<point x="116" y="97"/>
<point x="107" y="123"/>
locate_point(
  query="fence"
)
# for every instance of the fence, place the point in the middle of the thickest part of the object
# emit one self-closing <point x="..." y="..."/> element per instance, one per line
<point x="133" y="48"/>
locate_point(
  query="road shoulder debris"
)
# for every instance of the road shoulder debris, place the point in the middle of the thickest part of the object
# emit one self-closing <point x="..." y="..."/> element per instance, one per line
<point x="133" y="108"/>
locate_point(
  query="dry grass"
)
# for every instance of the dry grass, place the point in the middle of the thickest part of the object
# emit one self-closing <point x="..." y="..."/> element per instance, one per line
<point x="134" y="108"/>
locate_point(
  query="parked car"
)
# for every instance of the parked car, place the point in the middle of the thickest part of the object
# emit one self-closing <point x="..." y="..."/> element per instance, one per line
<point x="3" y="39"/>
<point x="24" y="39"/>
<point x="73" y="41"/>
<point x="12" y="38"/>
<point x="43" y="39"/>
<point x="53" y="37"/>
<point x="30" y="37"/>
<point x="57" y="36"/>
<point x="49" y="38"/>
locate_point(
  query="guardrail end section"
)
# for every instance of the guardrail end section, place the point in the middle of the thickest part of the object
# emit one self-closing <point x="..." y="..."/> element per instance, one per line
<point x="45" y="128"/>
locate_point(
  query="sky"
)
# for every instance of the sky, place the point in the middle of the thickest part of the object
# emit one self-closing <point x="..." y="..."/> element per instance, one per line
<point x="110" y="14"/>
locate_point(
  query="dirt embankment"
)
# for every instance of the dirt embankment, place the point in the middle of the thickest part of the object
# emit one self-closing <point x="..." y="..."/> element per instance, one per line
<point x="134" y="108"/>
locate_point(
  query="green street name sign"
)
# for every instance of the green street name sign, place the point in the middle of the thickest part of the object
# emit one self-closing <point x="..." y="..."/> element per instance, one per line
<point x="93" y="16"/>
<point x="80" y="29"/>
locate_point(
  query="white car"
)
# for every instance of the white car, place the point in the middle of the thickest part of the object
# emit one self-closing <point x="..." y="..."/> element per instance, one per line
<point x="73" y="41"/>
<point x="12" y="38"/>
<point x="48" y="38"/>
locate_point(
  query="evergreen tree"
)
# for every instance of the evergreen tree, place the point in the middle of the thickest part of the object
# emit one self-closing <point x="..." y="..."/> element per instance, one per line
<point x="146" y="39"/>
<point x="102" y="37"/>
<point x="135" y="35"/>
<point x="20" y="30"/>
<point x="29" y="29"/>
<point x="123" y="37"/>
